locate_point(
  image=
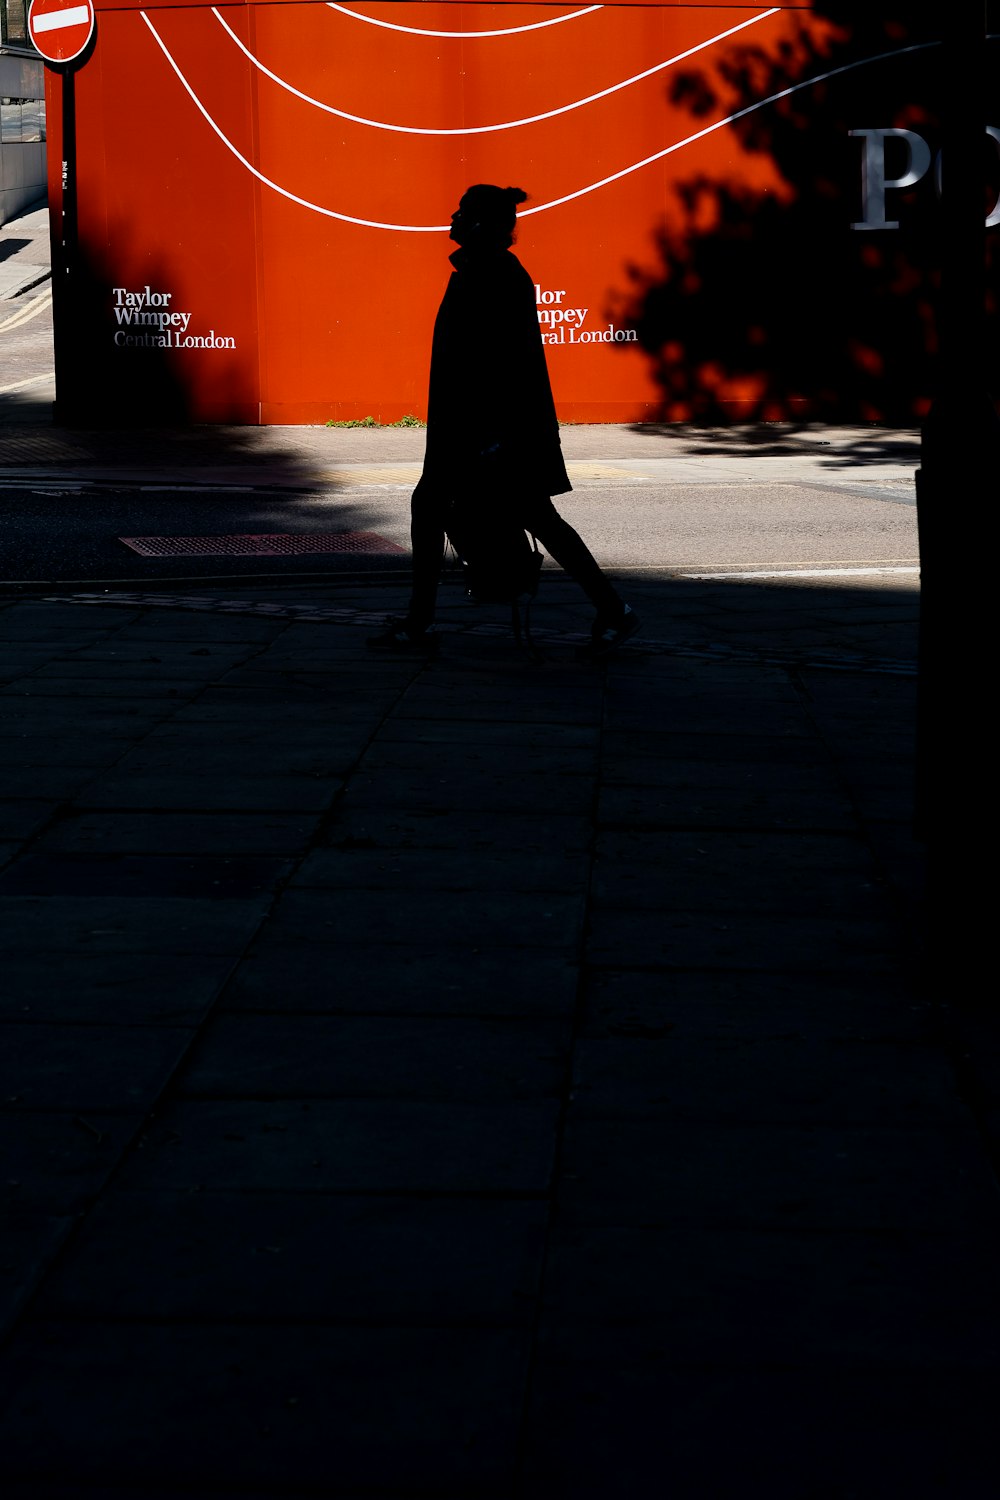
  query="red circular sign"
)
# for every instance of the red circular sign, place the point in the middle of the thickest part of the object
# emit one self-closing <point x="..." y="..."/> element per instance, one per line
<point x="61" y="29"/>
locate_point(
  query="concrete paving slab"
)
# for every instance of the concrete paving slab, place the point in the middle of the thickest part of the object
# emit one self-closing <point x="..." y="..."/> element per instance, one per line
<point x="886" y="773"/>
<point x="802" y="1080"/>
<point x="127" y="989"/>
<point x="205" y="752"/>
<point x="29" y="1244"/>
<point x="240" y="705"/>
<point x="25" y="652"/>
<point x="375" y="1057"/>
<point x="255" y="1405"/>
<point x="21" y="818"/>
<point x="173" y="833"/>
<point x="338" y="700"/>
<point x="55" y="1163"/>
<point x="216" y="792"/>
<point x="490" y="788"/>
<point x="24" y="658"/>
<point x="57" y="783"/>
<point x="886" y="804"/>
<point x="460" y="705"/>
<point x="146" y="924"/>
<point x="723" y="870"/>
<point x="761" y="1005"/>
<point x="419" y="918"/>
<point x="747" y="1298"/>
<point x="362" y="979"/>
<point x="34" y="712"/>
<point x="86" y="1067"/>
<point x="400" y="870"/>
<point x="822" y="1177"/>
<point x="30" y="617"/>
<point x="721" y="716"/>
<point x="170" y="628"/>
<point x="36" y="1489"/>
<point x="24" y="752"/>
<point x="351" y="1145"/>
<point x="737" y="940"/>
<point x="868" y="737"/>
<point x="639" y="680"/>
<point x="180" y="659"/>
<point x="725" y="807"/>
<point x="63" y="680"/>
<point x="491" y="733"/>
<point x="674" y="742"/>
<point x="214" y="878"/>
<point x="244" y="739"/>
<point x="621" y="1413"/>
<point x="395" y="828"/>
<point x="394" y="1225"/>
<point x="201" y="1257"/>
<point x="902" y="857"/>
<point x="15" y="279"/>
<point x="327" y="653"/>
<point x="672" y="772"/>
<point x="459" y="758"/>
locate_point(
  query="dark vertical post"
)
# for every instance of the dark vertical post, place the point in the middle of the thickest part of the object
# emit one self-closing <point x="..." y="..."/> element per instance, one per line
<point x="65" y="264"/>
<point x="955" y="485"/>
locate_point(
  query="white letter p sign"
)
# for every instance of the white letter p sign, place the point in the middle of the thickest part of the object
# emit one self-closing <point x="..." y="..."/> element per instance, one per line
<point x="874" y="182"/>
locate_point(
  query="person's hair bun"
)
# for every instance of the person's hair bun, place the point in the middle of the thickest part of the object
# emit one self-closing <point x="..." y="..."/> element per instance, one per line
<point x="516" y="195"/>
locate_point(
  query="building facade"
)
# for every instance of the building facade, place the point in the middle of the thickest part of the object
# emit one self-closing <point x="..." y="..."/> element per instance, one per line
<point x="22" y="115"/>
<point x="733" y="210"/>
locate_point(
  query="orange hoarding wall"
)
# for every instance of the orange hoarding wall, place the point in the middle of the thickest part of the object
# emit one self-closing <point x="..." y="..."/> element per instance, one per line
<point x="263" y="193"/>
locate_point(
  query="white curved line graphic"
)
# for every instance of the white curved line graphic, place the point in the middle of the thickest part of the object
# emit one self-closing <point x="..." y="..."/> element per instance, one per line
<point x="292" y="197"/>
<point x="710" y="129"/>
<point x="541" y="208"/>
<point x="416" y="31"/>
<point x="563" y="109"/>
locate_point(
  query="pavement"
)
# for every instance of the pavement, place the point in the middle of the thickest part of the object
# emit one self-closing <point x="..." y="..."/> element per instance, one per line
<point x="479" y="1076"/>
<point x="25" y="261"/>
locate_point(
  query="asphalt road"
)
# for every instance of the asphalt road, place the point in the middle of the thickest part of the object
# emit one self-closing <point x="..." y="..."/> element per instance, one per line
<point x="62" y="529"/>
<point x="645" y="500"/>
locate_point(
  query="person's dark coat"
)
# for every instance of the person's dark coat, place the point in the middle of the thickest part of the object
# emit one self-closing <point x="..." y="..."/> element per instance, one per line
<point x="490" y="407"/>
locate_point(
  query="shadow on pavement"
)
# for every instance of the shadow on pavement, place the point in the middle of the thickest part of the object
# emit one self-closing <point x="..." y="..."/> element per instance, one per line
<point x="787" y="439"/>
<point x="477" y="1077"/>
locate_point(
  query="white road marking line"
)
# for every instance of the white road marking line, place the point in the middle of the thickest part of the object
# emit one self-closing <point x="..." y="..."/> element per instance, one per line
<point x="884" y="571"/>
<point x="25" y="314"/>
<point x="19" y="385"/>
<point x="77" y="15"/>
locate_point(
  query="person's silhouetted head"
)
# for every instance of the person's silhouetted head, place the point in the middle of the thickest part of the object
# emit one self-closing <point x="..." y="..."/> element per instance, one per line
<point x="486" y="216"/>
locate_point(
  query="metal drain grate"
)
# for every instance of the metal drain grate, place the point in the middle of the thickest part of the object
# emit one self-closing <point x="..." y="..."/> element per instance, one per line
<point x="17" y="449"/>
<point x="275" y="544"/>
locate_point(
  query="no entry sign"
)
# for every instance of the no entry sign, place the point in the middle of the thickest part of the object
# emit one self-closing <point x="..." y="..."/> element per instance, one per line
<point x="61" y="29"/>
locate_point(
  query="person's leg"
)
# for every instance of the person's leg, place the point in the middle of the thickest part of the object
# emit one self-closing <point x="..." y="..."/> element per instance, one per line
<point x="566" y="547"/>
<point x="428" y="507"/>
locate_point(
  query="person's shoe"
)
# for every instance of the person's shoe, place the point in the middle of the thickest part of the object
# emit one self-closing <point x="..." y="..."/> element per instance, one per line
<point x="400" y="635"/>
<point x="608" y="633"/>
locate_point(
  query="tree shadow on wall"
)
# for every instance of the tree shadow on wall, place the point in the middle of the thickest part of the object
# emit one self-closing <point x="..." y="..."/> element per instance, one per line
<point x="767" y="304"/>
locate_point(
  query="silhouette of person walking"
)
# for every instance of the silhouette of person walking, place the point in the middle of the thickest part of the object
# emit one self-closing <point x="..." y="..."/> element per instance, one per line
<point x="492" y="421"/>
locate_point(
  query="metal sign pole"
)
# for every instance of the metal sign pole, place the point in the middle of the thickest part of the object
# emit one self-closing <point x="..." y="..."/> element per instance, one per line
<point x="65" y="290"/>
<point x="63" y="32"/>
